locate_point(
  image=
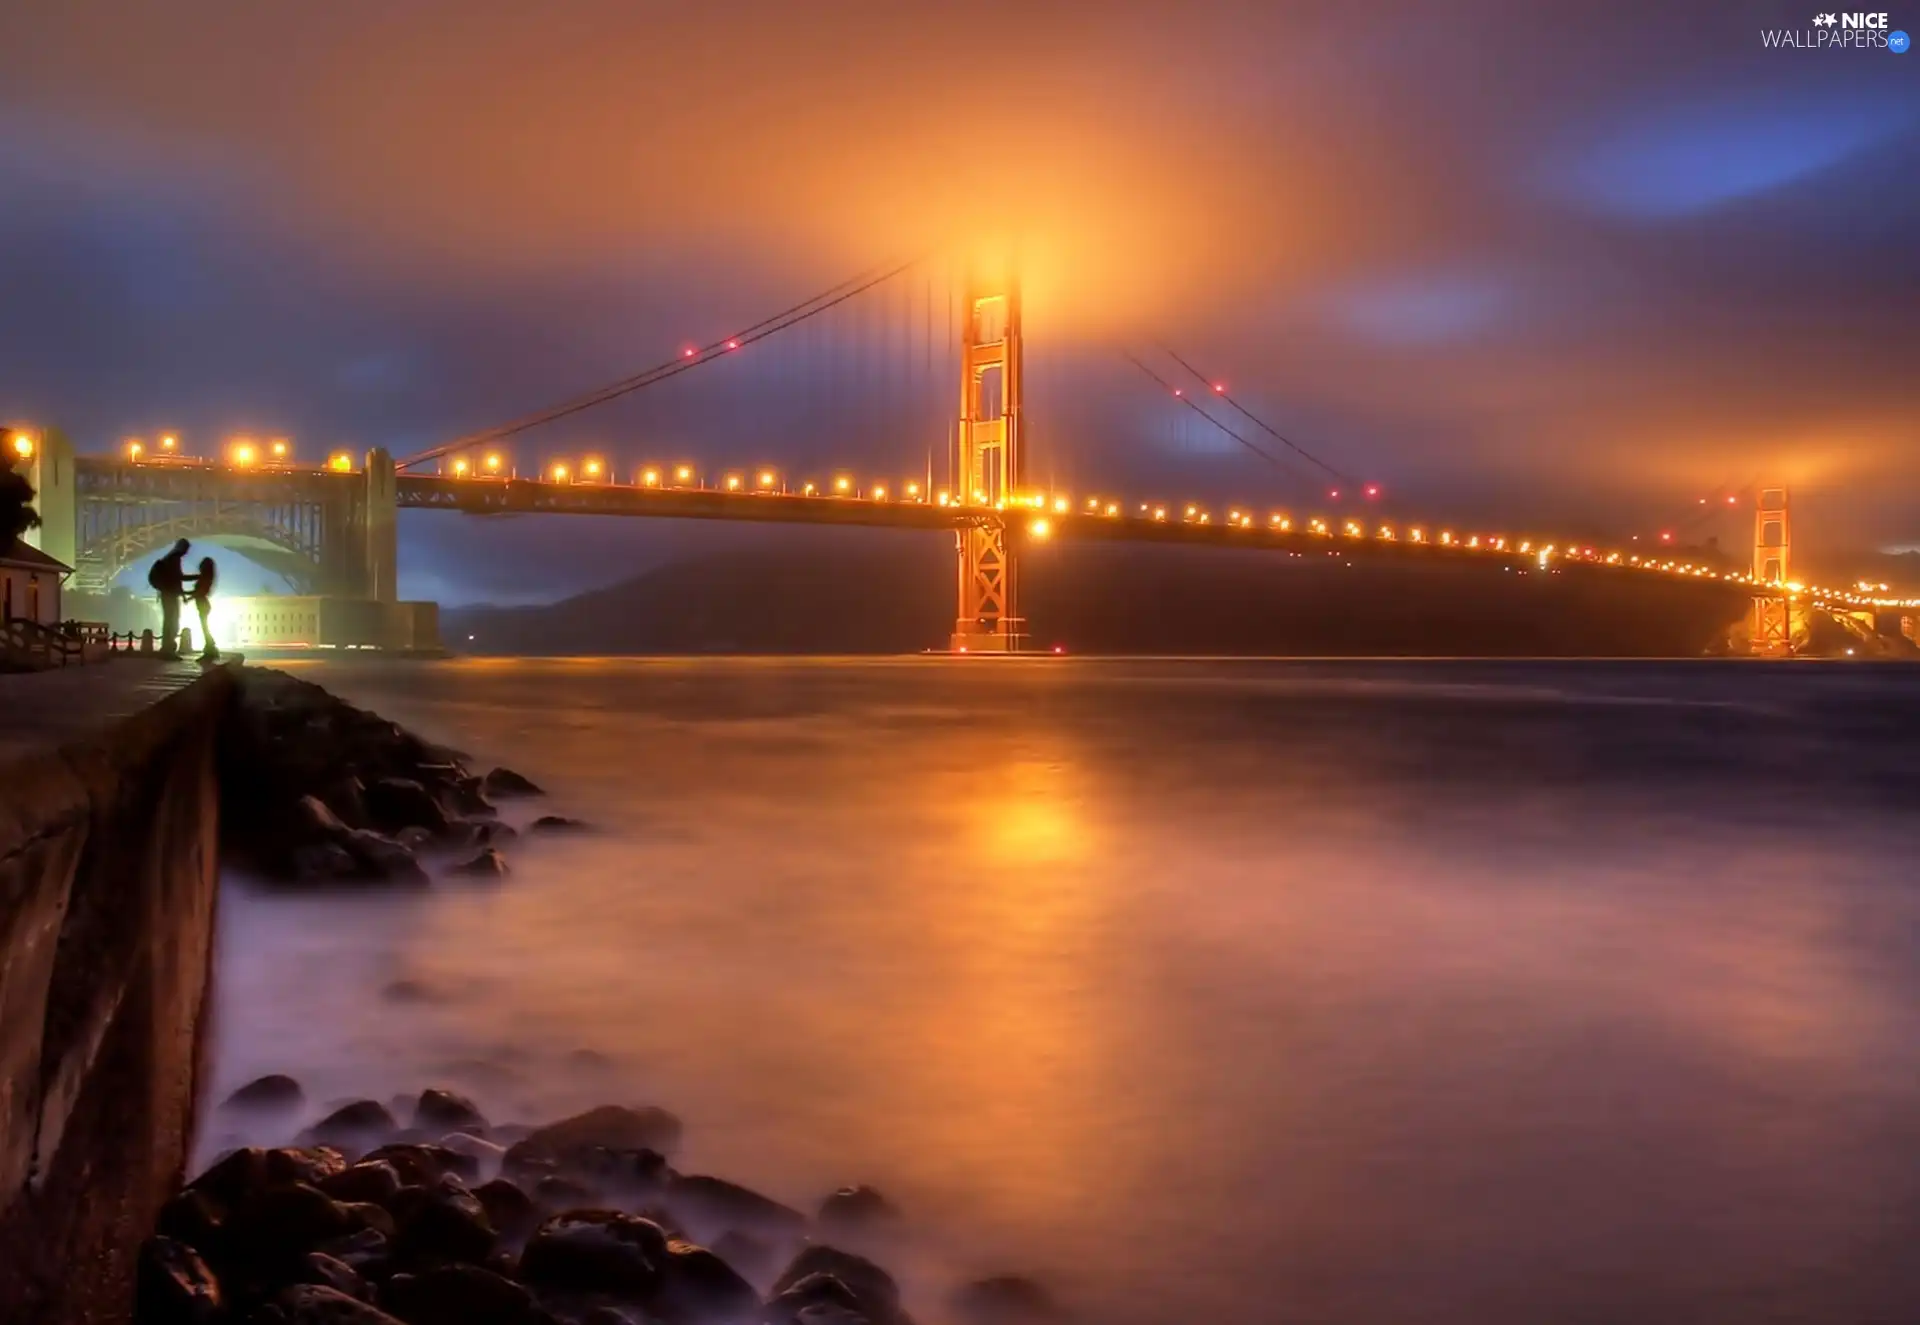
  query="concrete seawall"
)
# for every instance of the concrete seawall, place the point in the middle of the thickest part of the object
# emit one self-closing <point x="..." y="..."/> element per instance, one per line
<point x="109" y="859"/>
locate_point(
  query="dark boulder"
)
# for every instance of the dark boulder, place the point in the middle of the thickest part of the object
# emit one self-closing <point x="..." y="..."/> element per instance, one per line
<point x="816" y="1295"/>
<point x="467" y="796"/>
<point x="324" y="862"/>
<point x="193" y="1217"/>
<point x="458" y="1295"/>
<point x="1007" y="1299"/>
<point x="555" y="1192"/>
<point x="487" y="1154"/>
<point x="394" y="803"/>
<point x="445" y="1222"/>
<point x="423" y="1163"/>
<point x="233" y="1177"/>
<point x="708" y="1207"/>
<point x="270" y="1235"/>
<point x="488" y="864"/>
<point x="379" y="858"/>
<point x="268" y="1094"/>
<point x="368" y="1252"/>
<point x="557" y="823"/>
<point x="610" y="1127"/>
<point x="346" y="798"/>
<point x="877" y="1295"/>
<point x="368" y="1215"/>
<point x="309" y="1164"/>
<point x="314" y="1304"/>
<point x="503" y="782"/>
<point x="173" y="1286"/>
<point x="355" y="1126"/>
<point x="510" y="1210"/>
<point x="857" y="1210"/>
<point x="313" y="821"/>
<point x="493" y="833"/>
<point x="698" y="1286"/>
<point x="446" y="1111"/>
<point x="328" y="1272"/>
<point x="369" y="1180"/>
<point x="596" y="1251"/>
<point x="415" y="840"/>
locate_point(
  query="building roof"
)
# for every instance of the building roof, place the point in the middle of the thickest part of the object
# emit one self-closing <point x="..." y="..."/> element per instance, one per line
<point x="24" y="554"/>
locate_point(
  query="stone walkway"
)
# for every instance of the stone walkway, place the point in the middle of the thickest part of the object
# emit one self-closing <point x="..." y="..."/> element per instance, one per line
<point x="39" y="709"/>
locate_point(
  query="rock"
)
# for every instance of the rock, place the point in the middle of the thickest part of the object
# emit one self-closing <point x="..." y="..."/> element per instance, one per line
<point x="558" y="1193"/>
<point x="876" y="1294"/>
<point x="328" y="1272"/>
<point x="697" y="1285"/>
<point x="859" y="1209"/>
<point x="368" y="1215"/>
<point x="483" y="1152"/>
<point x="494" y="833"/>
<point x="346" y="797"/>
<point x="510" y="1210"/>
<point x="395" y="803"/>
<point x="369" y="1180"/>
<point x="192" y="1217"/>
<point x="489" y="864"/>
<point x="609" y="1127"/>
<point x="173" y="1286"/>
<point x="445" y="1222"/>
<point x="1006" y="1299"/>
<point x="502" y="782"/>
<point x="414" y="839"/>
<point x="709" y="1207"/>
<point x="274" y="1230"/>
<point x="557" y="823"/>
<point x="314" y="1304"/>
<point x="324" y="862"/>
<point x="467" y="796"/>
<point x="446" y="1111"/>
<point x="422" y="1163"/>
<point x="378" y="857"/>
<point x="309" y="1164"/>
<point x="233" y="1177"/>
<point x="408" y="991"/>
<point x="458" y="1295"/>
<point x="806" y="1301"/>
<point x="366" y="1251"/>
<point x="596" y="1251"/>
<point x="268" y="1094"/>
<point x="314" y="822"/>
<point x="355" y="1126"/>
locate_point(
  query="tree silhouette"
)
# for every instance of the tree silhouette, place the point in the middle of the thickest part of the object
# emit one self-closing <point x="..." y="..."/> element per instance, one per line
<point x="16" y="501"/>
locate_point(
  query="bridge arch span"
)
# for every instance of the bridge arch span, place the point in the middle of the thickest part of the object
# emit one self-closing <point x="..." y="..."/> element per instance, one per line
<point x="281" y="551"/>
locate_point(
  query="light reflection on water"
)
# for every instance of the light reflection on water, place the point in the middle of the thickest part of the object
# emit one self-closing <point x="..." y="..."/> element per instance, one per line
<point x="1330" y="992"/>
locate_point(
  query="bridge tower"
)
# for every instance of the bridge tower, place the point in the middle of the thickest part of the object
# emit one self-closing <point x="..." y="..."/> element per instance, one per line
<point x="1772" y="546"/>
<point x="991" y="468"/>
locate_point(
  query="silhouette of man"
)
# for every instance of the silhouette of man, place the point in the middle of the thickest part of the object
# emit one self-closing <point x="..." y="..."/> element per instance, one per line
<point x="169" y="580"/>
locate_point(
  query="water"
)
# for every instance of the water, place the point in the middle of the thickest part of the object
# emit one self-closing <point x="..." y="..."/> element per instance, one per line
<point x="1204" y="991"/>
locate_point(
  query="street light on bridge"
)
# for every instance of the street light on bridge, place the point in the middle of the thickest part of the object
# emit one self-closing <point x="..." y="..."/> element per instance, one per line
<point x="23" y="446"/>
<point x="650" y="478"/>
<point x="592" y="468"/>
<point x="559" y="473"/>
<point x="243" y="454"/>
<point x="493" y="463"/>
<point x="279" y="448"/>
<point x="134" y="448"/>
<point x="340" y="462"/>
<point x="168" y="442"/>
<point x="460" y="468"/>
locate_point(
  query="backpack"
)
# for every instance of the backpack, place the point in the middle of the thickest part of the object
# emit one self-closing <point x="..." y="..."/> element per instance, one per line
<point x="156" y="578"/>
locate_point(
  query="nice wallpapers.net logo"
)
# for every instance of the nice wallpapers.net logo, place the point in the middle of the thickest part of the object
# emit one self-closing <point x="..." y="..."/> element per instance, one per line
<point x="1840" y="32"/>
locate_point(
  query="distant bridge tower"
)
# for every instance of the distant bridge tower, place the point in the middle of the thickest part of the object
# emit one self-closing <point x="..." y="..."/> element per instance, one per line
<point x="1772" y="547"/>
<point x="991" y="468"/>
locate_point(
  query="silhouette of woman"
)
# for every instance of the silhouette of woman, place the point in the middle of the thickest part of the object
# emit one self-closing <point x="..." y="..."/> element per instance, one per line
<point x="201" y="596"/>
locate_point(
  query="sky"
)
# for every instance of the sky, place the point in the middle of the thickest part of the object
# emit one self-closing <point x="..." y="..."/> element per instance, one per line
<point x="1514" y="262"/>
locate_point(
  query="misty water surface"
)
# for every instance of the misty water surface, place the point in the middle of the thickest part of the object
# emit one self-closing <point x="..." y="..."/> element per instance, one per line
<point x="1239" y="992"/>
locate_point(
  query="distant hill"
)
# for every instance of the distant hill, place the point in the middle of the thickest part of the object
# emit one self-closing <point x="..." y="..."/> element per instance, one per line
<point x="872" y="592"/>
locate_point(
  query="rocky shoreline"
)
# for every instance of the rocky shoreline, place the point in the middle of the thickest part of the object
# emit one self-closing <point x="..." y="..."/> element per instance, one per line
<point x="450" y="1220"/>
<point x="319" y="792"/>
<point x="421" y="1211"/>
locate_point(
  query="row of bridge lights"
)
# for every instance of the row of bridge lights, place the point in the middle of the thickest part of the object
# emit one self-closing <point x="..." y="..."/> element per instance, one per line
<point x="241" y="453"/>
<point x="767" y="482"/>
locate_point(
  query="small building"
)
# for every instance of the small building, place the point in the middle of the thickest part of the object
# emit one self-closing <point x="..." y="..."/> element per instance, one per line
<point x="30" y="583"/>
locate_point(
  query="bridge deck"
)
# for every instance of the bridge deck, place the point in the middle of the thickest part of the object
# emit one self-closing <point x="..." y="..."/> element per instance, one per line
<point x="43" y="709"/>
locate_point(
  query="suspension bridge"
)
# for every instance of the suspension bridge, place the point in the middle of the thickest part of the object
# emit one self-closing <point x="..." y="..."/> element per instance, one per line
<point x="887" y="385"/>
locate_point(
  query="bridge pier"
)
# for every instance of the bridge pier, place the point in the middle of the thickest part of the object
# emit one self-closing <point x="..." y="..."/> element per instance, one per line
<point x="51" y="471"/>
<point x="991" y="471"/>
